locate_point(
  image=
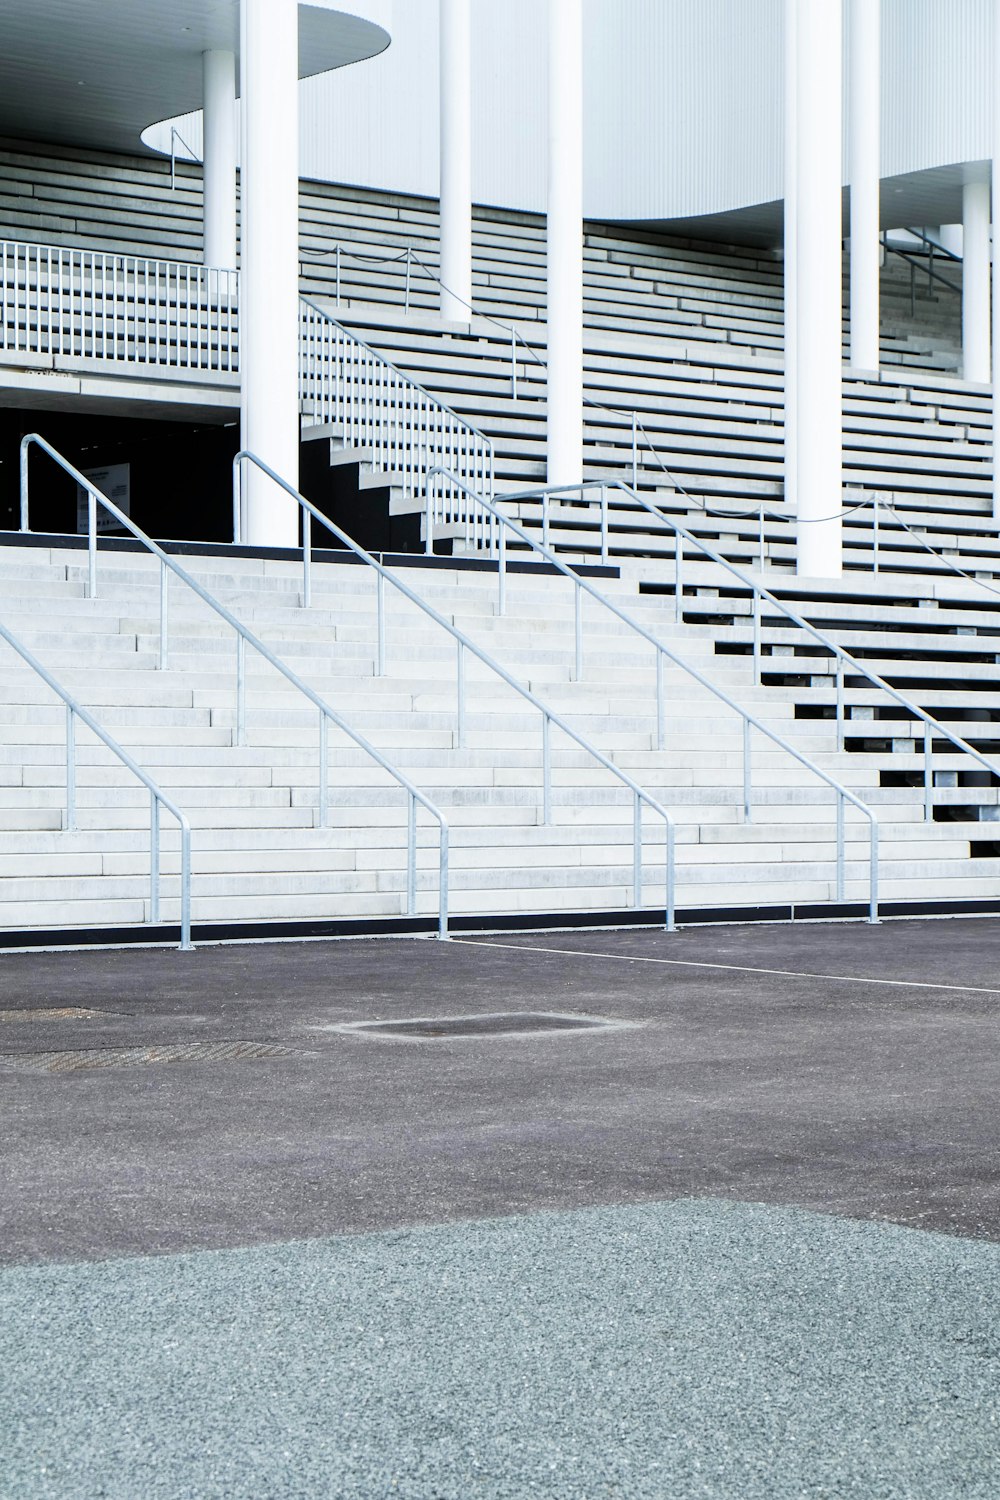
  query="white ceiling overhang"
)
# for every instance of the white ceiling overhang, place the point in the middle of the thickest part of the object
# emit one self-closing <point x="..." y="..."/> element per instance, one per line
<point x="98" y="72"/>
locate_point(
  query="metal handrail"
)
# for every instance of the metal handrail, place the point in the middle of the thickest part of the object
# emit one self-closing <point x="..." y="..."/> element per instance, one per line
<point x="157" y="797"/>
<point x="246" y="637"/>
<point x="464" y="643"/>
<point x="935" y="246"/>
<point x="915" y="263"/>
<point x="762" y="594"/>
<point x="750" y="720"/>
<point x="376" y="404"/>
<point x="411" y="258"/>
<point x="370" y="349"/>
<point x="176" y="136"/>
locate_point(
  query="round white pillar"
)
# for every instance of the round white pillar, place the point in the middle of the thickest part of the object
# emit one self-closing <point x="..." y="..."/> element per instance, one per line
<point x="791" y="148"/>
<point x="456" y="161"/>
<point x="564" y="244"/>
<point x="866" y="17"/>
<point x="219" y="154"/>
<point x="976" y="281"/>
<point x="269" y="282"/>
<point x="819" y="279"/>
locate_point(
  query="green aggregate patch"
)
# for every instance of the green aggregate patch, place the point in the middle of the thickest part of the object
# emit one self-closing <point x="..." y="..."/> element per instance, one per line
<point x="667" y="1350"/>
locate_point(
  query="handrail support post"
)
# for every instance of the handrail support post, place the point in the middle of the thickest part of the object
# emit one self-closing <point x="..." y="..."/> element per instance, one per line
<point x="636" y="850"/>
<point x="91" y="545"/>
<point x="411" y="855"/>
<point x="661" y="717"/>
<point x="324" y="773"/>
<point x="164" y="616"/>
<point x="70" y="770"/>
<point x="154" y="857"/>
<point x="546" y="770"/>
<point x="241" y="691"/>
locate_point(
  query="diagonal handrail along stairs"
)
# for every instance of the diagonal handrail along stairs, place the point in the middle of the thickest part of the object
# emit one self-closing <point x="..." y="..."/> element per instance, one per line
<point x="375" y="408"/>
<point x="505" y="523"/>
<point x="157" y="797"/>
<point x="244" y="638"/>
<point x="465" y="644"/>
<point x="760" y="595"/>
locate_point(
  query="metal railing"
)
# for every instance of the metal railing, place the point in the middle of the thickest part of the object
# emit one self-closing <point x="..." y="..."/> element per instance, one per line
<point x="464" y="644"/>
<point x="374" y="407"/>
<point x="922" y="260"/>
<point x="91" y="304"/>
<point x="583" y="587"/>
<point x="640" y="438"/>
<point x="192" y="155"/>
<point x="244" y="638"/>
<point x="760" y="595"/>
<point x="157" y="797"/>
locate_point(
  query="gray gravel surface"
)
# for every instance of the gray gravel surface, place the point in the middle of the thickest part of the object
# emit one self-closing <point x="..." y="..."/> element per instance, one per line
<point x="661" y="1350"/>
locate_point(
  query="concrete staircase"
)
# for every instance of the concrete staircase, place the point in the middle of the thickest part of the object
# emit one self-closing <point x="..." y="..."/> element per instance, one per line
<point x="258" y="854"/>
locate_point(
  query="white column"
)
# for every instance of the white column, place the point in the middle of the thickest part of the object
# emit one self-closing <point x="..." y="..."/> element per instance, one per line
<point x="866" y="18"/>
<point x="456" y="161"/>
<point x="269" y="283"/>
<point x="219" y="154"/>
<point x="791" y="149"/>
<point x="564" y="243"/>
<point x="818" y="260"/>
<point x="995" y="91"/>
<point x="976" y="281"/>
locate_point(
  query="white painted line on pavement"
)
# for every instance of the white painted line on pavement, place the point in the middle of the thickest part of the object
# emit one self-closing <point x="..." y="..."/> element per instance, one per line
<point x="691" y="963"/>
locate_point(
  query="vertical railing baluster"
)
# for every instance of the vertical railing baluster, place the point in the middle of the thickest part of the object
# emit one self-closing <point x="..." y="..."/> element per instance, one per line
<point x="241" y="690"/>
<point x="661" y="716"/>
<point x="840" y="847"/>
<point x="154" y="857"/>
<point x="502" y="571"/>
<point x="875" y="536"/>
<point x="91" y="545"/>
<point x="636" y="850"/>
<point x="747" y="774"/>
<point x="324" y="771"/>
<point x="546" y="770"/>
<point x="411" y="855"/>
<point x="164" y="582"/>
<point x="928" y="774"/>
<point x="380" y="623"/>
<point x="70" y="770"/>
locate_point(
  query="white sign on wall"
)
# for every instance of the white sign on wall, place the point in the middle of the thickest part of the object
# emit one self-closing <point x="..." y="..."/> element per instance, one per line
<point x="115" y="482"/>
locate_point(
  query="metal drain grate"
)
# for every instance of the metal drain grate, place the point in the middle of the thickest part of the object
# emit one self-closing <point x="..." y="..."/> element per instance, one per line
<point x="501" y="1023"/>
<point x="53" y="1013"/>
<point x="87" y="1058"/>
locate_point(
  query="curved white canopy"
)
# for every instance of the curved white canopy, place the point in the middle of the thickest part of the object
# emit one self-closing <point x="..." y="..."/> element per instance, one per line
<point x="98" y="72"/>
